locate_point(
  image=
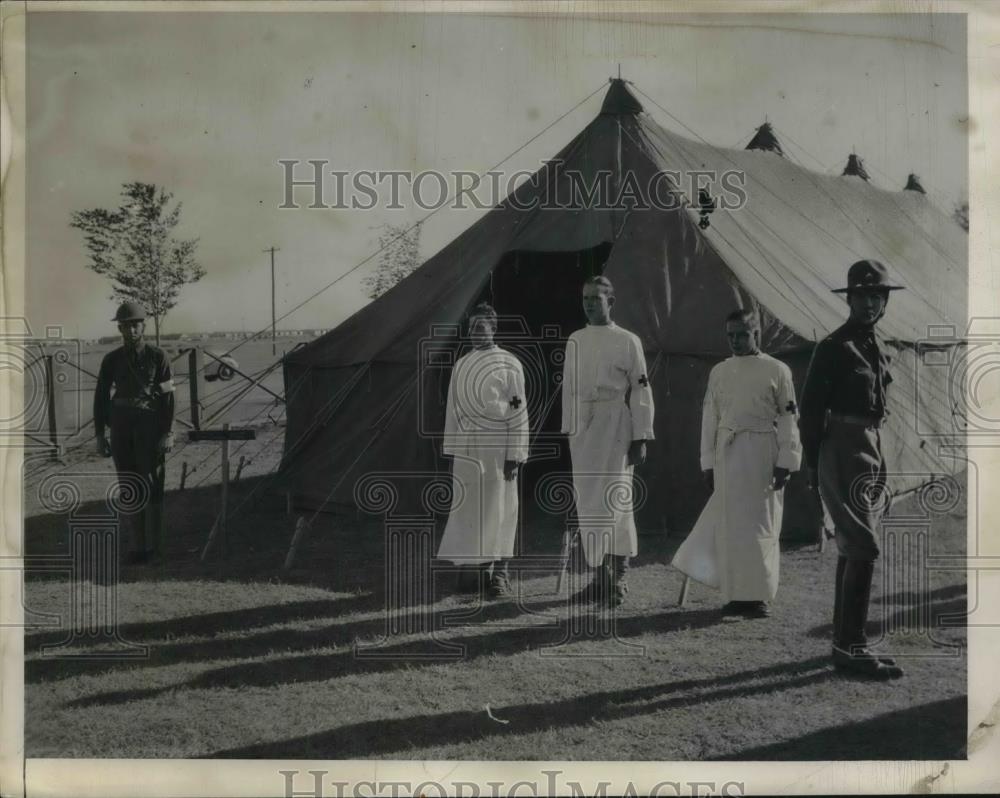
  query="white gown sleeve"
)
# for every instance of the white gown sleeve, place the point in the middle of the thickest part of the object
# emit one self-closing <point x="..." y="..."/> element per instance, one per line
<point x="517" y="419"/>
<point x="640" y="402"/>
<point x="709" y="424"/>
<point x="789" y="446"/>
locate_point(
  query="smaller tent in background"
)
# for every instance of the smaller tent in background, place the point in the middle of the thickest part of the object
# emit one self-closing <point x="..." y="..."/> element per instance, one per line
<point x="913" y="184"/>
<point x="765" y="139"/>
<point x="855" y="166"/>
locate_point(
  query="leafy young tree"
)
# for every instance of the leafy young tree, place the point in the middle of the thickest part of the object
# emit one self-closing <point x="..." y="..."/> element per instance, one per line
<point x="399" y="255"/>
<point x="135" y="247"/>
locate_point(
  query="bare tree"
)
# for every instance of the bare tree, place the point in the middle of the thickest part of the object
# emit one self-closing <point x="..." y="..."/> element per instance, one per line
<point x="134" y="246"/>
<point x="399" y="255"/>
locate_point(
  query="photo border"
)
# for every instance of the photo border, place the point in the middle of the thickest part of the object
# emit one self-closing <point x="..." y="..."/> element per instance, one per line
<point x="111" y="778"/>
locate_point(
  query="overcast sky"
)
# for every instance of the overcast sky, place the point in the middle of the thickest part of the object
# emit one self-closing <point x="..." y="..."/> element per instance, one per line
<point x="206" y="104"/>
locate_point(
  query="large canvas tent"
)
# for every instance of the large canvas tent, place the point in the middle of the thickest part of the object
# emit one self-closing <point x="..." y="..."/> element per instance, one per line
<point x="368" y="397"/>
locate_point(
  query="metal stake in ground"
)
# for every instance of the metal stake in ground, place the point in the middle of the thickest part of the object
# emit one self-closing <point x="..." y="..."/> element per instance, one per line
<point x="225" y="435"/>
<point x="302" y="526"/>
<point x="683" y="597"/>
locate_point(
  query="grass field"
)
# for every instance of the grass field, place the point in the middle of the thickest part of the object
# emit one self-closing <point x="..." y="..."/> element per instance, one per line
<point x="246" y="661"/>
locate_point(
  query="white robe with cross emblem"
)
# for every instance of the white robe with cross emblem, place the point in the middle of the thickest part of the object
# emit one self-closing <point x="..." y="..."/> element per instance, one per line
<point x="486" y="423"/>
<point x="606" y="404"/>
<point x="748" y="428"/>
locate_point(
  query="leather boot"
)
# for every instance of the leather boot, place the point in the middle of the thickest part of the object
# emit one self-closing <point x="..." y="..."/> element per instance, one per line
<point x="838" y="609"/>
<point x="838" y="600"/>
<point x="850" y="649"/>
<point x="499" y="586"/>
<point x="598" y="587"/>
<point x="617" y="568"/>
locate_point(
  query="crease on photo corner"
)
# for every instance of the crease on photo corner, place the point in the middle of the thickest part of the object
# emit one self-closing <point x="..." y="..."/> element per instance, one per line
<point x="926" y="785"/>
<point x="985" y="730"/>
<point x="977" y="738"/>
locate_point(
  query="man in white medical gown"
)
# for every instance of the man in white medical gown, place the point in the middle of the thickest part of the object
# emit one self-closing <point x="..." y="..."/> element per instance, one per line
<point x="749" y="447"/>
<point x="607" y="414"/>
<point x="486" y="434"/>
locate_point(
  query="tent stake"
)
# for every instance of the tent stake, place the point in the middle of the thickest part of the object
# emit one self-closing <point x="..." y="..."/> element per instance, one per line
<point x="239" y="468"/>
<point x="563" y="559"/>
<point x="184" y="474"/>
<point x="682" y="599"/>
<point x="301" y="527"/>
<point x="212" y="535"/>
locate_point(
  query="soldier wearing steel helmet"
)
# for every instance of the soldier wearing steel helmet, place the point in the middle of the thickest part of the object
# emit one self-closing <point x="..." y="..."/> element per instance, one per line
<point x="139" y="414"/>
<point x="842" y="414"/>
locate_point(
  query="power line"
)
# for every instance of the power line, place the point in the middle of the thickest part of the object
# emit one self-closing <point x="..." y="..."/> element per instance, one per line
<point x="782" y="135"/>
<point x="388" y="243"/>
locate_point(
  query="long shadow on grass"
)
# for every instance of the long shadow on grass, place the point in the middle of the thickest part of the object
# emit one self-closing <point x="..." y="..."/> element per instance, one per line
<point x="399" y="735"/>
<point x="242" y="620"/>
<point x="426" y="651"/>
<point x="929" y="731"/>
<point x="285" y="640"/>
<point x="912" y="597"/>
<point x="259" y="535"/>
<point x="912" y="618"/>
<point x="342" y="552"/>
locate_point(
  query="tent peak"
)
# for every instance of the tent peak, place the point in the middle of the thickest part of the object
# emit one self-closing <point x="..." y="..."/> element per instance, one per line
<point x="619" y="101"/>
<point x="765" y="139"/>
<point x="855" y="166"/>
<point x="913" y="184"/>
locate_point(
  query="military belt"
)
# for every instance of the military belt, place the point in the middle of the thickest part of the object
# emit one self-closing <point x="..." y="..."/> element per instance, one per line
<point x="133" y="402"/>
<point x="861" y="421"/>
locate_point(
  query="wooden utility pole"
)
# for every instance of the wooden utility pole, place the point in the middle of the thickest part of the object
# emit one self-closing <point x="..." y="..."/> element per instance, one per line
<point x="274" y="346"/>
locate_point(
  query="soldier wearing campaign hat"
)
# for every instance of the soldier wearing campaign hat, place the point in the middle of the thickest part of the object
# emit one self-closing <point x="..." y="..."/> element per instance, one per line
<point x="842" y="412"/>
<point x="140" y="415"/>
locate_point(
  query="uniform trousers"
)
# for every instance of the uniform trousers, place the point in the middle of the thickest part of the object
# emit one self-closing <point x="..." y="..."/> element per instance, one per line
<point x="852" y="483"/>
<point x="135" y="439"/>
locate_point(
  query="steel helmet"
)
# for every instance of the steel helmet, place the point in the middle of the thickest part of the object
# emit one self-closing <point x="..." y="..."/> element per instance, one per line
<point x="129" y="311"/>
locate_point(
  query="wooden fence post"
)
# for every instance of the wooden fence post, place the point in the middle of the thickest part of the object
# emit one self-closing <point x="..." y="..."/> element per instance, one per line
<point x="194" y="372"/>
<point x="52" y="399"/>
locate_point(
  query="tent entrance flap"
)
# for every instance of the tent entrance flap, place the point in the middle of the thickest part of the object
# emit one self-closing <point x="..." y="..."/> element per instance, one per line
<point x="542" y="289"/>
<point x="537" y="297"/>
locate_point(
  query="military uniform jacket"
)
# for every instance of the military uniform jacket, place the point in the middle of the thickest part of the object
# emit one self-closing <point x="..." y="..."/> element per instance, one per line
<point x="142" y="383"/>
<point x="848" y="375"/>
